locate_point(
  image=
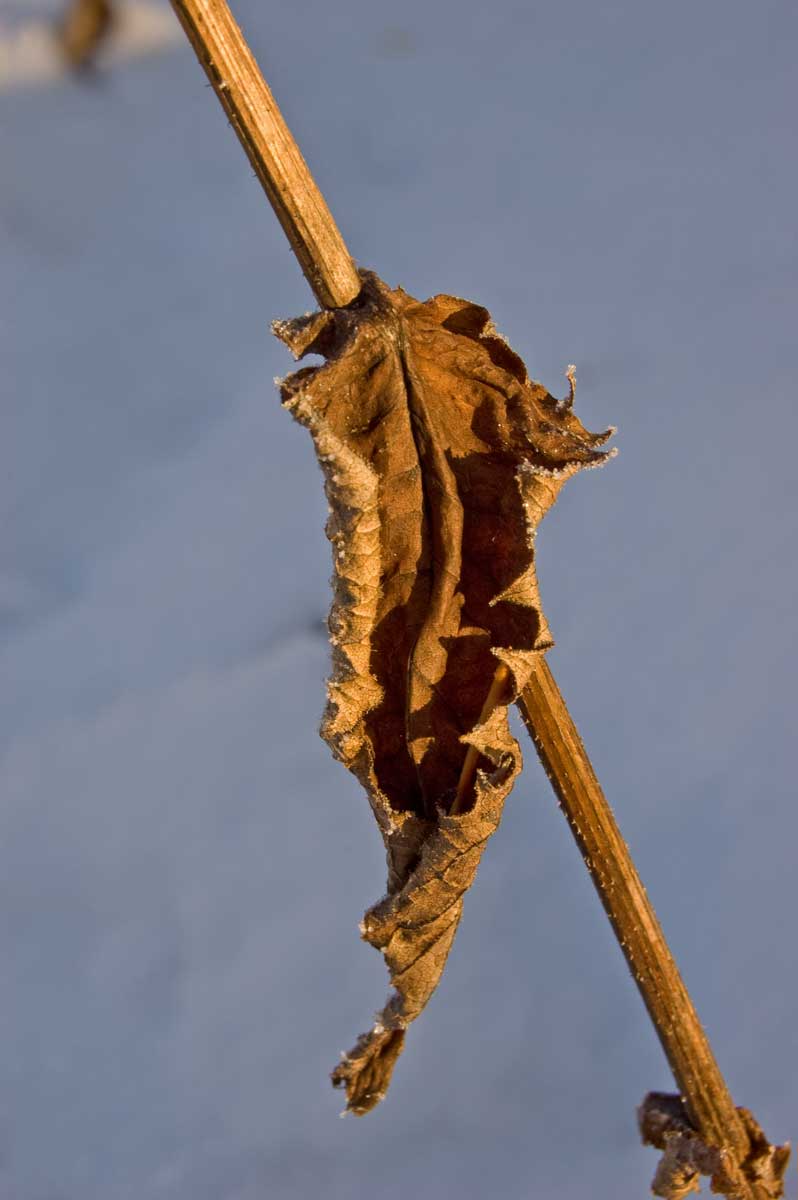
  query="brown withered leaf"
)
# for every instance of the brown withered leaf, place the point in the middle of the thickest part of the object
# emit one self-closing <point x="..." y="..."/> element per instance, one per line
<point x="665" y="1123"/>
<point x="440" y="458"/>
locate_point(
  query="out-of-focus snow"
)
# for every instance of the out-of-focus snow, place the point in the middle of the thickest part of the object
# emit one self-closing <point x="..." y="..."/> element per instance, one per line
<point x="183" y="865"/>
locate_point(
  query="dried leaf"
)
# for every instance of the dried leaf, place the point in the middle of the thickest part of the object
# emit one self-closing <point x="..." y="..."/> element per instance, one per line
<point x="440" y="458"/>
<point x="664" y="1123"/>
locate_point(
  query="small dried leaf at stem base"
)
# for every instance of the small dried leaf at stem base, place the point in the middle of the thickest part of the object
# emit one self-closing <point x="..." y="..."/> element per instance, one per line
<point x="440" y="459"/>
<point x="664" y="1123"/>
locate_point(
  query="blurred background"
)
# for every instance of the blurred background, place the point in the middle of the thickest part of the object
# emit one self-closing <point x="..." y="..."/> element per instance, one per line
<point x="183" y="866"/>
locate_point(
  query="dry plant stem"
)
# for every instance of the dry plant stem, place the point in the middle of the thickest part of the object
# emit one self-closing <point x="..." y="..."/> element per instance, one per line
<point x="633" y="919"/>
<point x="275" y="156"/>
<point x="327" y="266"/>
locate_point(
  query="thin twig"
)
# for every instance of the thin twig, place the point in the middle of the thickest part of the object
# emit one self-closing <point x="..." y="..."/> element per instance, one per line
<point x="329" y="269"/>
<point x="634" y="921"/>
